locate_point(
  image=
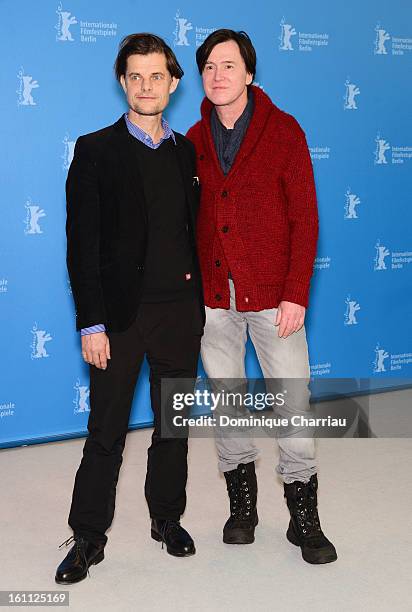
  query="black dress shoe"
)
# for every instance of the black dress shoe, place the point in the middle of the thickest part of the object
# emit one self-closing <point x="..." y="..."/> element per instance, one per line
<point x="178" y="541"/>
<point x="75" y="566"/>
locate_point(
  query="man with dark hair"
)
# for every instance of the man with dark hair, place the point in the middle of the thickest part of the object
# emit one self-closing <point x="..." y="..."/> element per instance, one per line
<point x="132" y="199"/>
<point x="257" y="234"/>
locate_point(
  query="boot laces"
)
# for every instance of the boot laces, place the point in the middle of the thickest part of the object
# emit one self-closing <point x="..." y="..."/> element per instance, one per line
<point x="239" y="496"/>
<point x="307" y="512"/>
<point x="80" y="544"/>
<point x="168" y="527"/>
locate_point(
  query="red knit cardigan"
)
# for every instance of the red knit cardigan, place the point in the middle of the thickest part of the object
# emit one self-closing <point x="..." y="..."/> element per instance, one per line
<point x="260" y="221"/>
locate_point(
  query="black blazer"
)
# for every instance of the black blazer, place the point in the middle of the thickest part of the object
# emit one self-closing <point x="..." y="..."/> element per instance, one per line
<point x="106" y="224"/>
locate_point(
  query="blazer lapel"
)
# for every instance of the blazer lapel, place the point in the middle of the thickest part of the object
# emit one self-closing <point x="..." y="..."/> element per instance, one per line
<point x="187" y="177"/>
<point x="122" y="141"/>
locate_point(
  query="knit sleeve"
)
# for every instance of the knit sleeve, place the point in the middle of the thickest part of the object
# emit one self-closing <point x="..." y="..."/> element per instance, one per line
<point x="299" y="187"/>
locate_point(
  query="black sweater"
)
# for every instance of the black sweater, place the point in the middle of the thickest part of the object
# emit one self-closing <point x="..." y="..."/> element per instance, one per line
<point x="169" y="273"/>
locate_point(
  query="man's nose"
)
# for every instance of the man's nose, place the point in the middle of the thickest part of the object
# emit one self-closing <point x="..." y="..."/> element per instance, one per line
<point x="146" y="84"/>
<point x="218" y="76"/>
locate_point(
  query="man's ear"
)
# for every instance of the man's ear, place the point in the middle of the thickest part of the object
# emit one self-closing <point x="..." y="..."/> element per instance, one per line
<point x="123" y="82"/>
<point x="249" y="78"/>
<point x="173" y="85"/>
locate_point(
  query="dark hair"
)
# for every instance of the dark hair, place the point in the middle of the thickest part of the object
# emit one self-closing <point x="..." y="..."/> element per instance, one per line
<point x="247" y="50"/>
<point x="143" y="44"/>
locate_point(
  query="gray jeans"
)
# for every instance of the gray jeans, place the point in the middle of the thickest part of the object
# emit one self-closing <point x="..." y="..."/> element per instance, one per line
<point x="223" y="351"/>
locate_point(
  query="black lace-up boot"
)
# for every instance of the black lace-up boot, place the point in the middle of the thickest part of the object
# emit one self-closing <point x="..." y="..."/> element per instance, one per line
<point x="75" y="566"/>
<point x="242" y="488"/>
<point x="304" y="527"/>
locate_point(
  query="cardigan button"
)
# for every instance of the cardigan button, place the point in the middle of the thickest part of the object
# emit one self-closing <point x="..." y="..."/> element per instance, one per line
<point x="224" y="194"/>
<point x="201" y="156"/>
<point x="217" y="263"/>
<point x="218" y="297"/>
<point x="225" y="229"/>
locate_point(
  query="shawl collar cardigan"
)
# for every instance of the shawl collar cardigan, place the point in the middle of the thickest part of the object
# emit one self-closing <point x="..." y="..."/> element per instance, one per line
<point x="260" y="221"/>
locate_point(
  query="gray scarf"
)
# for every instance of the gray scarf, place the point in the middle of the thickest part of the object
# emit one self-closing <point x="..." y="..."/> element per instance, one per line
<point x="227" y="142"/>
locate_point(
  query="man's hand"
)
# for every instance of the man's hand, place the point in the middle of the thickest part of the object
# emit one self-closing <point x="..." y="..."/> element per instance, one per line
<point x="96" y="349"/>
<point x="290" y="318"/>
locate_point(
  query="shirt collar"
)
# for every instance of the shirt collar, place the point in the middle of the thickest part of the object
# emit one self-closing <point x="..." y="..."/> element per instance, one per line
<point x="141" y="135"/>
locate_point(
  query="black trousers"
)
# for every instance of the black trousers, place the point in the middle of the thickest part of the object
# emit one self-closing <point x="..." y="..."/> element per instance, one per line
<point x="169" y="333"/>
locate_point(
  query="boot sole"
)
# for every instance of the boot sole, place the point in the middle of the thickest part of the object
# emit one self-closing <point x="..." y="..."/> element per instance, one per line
<point x="159" y="538"/>
<point x="325" y="557"/>
<point x="98" y="558"/>
<point x="240" y="536"/>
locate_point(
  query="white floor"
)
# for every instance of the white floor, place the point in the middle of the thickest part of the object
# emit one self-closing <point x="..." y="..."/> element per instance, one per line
<point x="365" y="501"/>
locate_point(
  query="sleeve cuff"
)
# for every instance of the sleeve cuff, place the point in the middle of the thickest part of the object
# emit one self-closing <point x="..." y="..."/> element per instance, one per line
<point x="296" y="292"/>
<point x="94" y="329"/>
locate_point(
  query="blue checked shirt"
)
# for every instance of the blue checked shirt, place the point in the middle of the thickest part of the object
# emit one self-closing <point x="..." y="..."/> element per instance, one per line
<point x="141" y="135"/>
